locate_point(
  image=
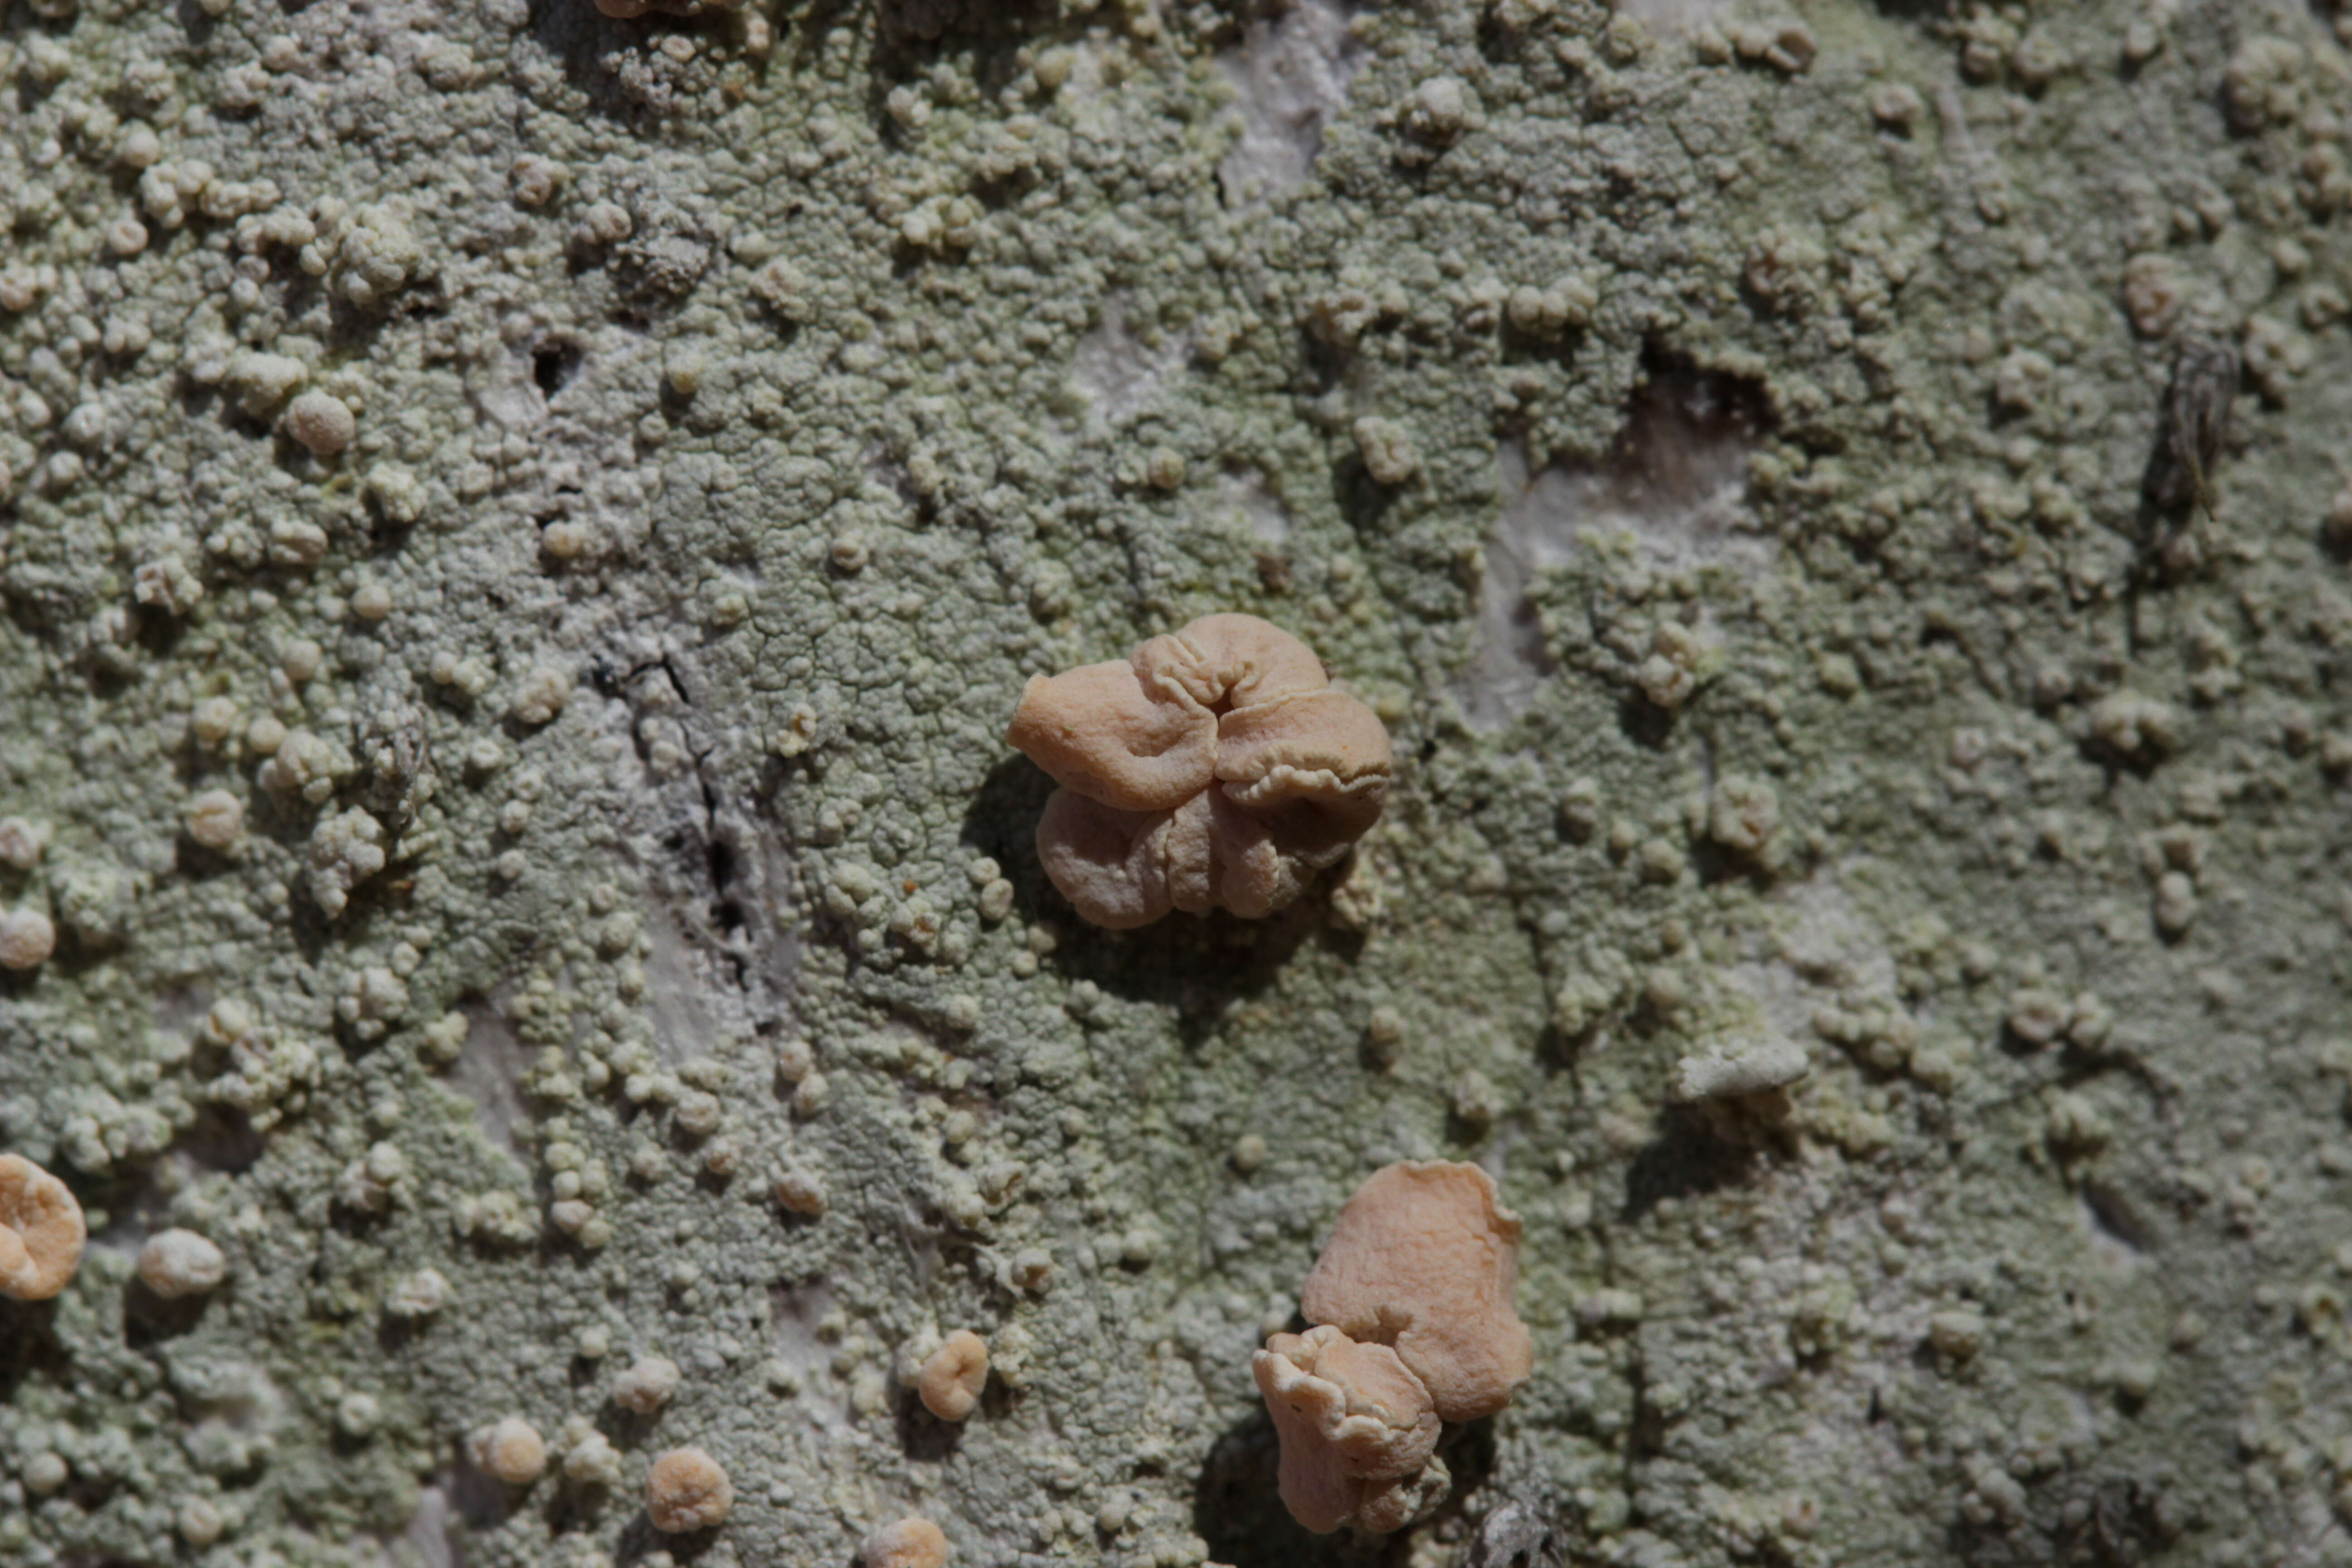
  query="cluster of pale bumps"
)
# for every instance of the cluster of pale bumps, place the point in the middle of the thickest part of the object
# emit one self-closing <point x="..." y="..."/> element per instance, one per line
<point x="1215" y="768"/>
<point x="1414" y="1328"/>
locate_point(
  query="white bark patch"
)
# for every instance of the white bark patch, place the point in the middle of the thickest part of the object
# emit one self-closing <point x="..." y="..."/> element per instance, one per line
<point x="1290" y="76"/>
<point x="489" y="1069"/>
<point x="1117" y="370"/>
<point x="1243" y="494"/>
<point x="1676" y="480"/>
<point x="1537" y="528"/>
<point x="797" y="1346"/>
<point x="1823" y="946"/>
<point x="427" y="1538"/>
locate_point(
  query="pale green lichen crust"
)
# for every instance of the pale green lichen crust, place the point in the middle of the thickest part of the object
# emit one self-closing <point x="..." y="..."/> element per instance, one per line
<point x="520" y="534"/>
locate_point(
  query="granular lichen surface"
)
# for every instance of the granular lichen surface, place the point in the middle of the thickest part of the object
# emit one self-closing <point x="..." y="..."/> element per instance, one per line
<point x="521" y="534"/>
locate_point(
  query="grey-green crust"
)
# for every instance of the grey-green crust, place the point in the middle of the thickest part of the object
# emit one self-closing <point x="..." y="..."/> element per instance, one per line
<point x="1718" y="439"/>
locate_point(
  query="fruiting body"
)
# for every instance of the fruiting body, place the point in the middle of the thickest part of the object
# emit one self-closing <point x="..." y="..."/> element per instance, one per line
<point x="511" y="1450"/>
<point x="175" y="1263"/>
<point x="41" y="1231"/>
<point x="27" y="937"/>
<point x="590" y="1461"/>
<point x="1358" y="1435"/>
<point x="320" y="422"/>
<point x="1214" y="769"/>
<point x="913" y="1543"/>
<point x="1416" y="1326"/>
<point x="687" y="1490"/>
<point x="1425" y="1260"/>
<point x="799" y="1191"/>
<point x="954" y="1375"/>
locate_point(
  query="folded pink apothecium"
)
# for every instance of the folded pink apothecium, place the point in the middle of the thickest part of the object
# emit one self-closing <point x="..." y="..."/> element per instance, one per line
<point x="1216" y="768"/>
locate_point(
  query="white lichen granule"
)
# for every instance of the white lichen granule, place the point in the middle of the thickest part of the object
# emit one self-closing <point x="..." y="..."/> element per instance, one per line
<point x="215" y="818"/>
<point x="698" y="1113"/>
<point x="347" y="850"/>
<point x="444" y="1039"/>
<point x="591" y="1460"/>
<point x="418" y="1295"/>
<point x="537" y="179"/>
<point x="1747" y="1067"/>
<point x="646" y="1386"/>
<point x="357" y="1415"/>
<point x="796" y="1059"/>
<point x="606" y="223"/>
<point x="45" y="1472"/>
<point x="1030" y="1268"/>
<point x="809" y="1097"/>
<point x="1958" y="1333"/>
<point x="1388" y="452"/>
<point x="21" y="840"/>
<point x="540" y="696"/>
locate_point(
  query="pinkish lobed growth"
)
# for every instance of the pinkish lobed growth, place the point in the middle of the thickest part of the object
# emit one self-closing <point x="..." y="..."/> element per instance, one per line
<point x="686" y="1490"/>
<point x="41" y="1231"/>
<point x="1214" y="769"/>
<point x="1359" y="1437"/>
<point x="1413" y="1299"/>
<point x="911" y="1542"/>
<point x="954" y="1376"/>
<point x="1425" y="1260"/>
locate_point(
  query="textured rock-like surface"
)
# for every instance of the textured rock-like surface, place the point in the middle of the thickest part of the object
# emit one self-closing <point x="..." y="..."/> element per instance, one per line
<point x="1715" y="440"/>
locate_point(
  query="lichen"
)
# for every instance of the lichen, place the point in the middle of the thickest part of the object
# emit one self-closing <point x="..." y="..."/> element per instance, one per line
<point x="1720" y="441"/>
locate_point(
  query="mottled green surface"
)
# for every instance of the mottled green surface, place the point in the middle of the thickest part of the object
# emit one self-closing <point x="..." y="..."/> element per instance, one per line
<point x="1713" y="439"/>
